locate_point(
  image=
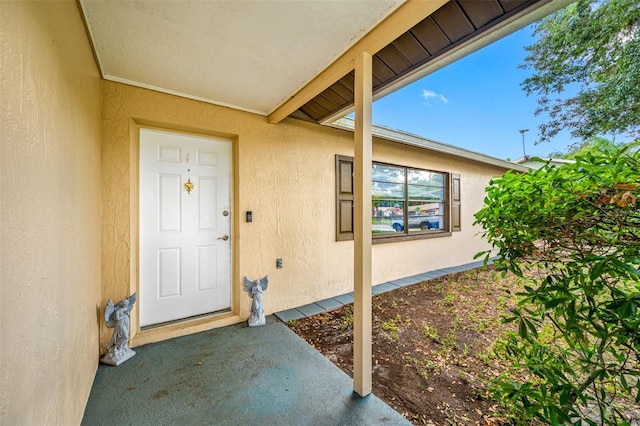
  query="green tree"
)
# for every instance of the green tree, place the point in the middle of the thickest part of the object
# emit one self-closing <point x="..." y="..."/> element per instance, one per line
<point x="593" y="47"/>
<point x="573" y="234"/>
<point x="593" y="145"/>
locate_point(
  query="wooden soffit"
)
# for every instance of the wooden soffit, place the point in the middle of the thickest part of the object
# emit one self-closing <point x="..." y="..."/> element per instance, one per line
<point x="450" y="30"/>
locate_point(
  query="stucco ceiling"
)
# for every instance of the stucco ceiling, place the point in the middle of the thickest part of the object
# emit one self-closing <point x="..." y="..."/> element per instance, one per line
<point x="250" y="55"/>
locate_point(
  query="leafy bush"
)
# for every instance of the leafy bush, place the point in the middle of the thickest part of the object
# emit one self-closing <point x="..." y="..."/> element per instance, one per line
<point x="574" y="233"/>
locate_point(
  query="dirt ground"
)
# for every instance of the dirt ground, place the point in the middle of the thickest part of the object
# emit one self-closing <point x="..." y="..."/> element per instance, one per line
<point x="431" y="346"/>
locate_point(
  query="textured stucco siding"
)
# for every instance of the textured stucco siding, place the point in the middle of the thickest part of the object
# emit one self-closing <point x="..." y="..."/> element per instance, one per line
<point x="284" y="174"/>
<point x="49" y="213"/>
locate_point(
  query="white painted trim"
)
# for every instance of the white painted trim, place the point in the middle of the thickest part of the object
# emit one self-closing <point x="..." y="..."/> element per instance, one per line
<point x="182" y="95"/>
<point x="87" y="28"/>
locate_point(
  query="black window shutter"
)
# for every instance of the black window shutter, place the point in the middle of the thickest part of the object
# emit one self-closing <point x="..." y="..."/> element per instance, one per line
<point x="344" y="198"/>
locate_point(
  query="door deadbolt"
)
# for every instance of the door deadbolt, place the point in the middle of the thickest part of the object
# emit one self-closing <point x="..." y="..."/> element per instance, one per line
<point x="225" y="213"/>
<point x="224" y="238"/>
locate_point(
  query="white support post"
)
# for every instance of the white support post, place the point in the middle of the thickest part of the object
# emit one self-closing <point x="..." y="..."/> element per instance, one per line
<point x="362" y="227"/>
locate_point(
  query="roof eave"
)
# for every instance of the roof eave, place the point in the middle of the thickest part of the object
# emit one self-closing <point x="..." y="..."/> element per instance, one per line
<point x="527" y="16"/>
<point x="409" y="139"/>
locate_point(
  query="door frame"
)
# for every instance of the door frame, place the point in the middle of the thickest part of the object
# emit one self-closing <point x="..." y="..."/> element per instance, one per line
<point x="190" y="325"/>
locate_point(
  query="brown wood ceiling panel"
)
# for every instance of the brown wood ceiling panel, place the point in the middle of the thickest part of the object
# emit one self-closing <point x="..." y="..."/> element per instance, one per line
<point x="380" y="70"/>
<point x="453" y="21"/>
<point x="349" y="80"/>
<point x="342" y="90"/>
<point x="410" y="48"/>
<point x="430" y="36"/>
<point x="394" y="59"/>
<point x="509" y="5"/>
<point x="375" y="81"/>
<point x="334" y="97"/>
<point x="481" y="13"/>
<point x="314" y="110"/>
<point x="340" y="94"/>
<point x="325" y="103"/>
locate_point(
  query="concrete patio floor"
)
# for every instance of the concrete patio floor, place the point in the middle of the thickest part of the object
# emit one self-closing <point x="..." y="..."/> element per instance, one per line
<point x="238" y="375"/>
<point x="233" y="375"/>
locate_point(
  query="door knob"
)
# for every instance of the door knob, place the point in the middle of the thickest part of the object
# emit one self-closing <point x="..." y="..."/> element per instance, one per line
<point x="224" y="238"/>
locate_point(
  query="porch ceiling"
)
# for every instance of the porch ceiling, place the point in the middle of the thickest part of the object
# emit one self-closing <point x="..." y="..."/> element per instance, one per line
<point x="246" y="54"/>
<point x="272" y="57"/>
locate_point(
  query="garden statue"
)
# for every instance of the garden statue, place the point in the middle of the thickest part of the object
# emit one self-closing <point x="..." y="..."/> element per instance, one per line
<point x="117" y="317"/>
<point x="255" y="289"/>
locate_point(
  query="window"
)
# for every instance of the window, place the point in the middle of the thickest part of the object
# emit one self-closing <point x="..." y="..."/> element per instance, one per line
<point x="405" y="202"/>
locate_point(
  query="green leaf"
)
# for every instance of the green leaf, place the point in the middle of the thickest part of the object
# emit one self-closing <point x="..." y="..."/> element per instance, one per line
<point x="597" y="270"/>
<point x="522" y="329"/>
<point x="555" y="302"/>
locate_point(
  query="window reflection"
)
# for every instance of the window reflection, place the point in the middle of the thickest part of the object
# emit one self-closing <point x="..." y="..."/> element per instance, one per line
<point x="407" y="200"/>
<point x="386" y="173"/>
<point x="423" y="177"/>
<point x="387" y="216"/>
<point x="425" y="216"/>
<point x="383" y="190"/>
<point x="426" y="192"/>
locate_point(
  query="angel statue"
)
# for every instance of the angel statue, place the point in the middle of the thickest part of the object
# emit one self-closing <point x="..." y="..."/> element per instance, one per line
<point x="255" y="289"/>
<point x="117" y="317"/>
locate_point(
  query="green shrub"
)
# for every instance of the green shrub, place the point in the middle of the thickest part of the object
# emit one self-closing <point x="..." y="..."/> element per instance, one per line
<point x="573" y="233"/>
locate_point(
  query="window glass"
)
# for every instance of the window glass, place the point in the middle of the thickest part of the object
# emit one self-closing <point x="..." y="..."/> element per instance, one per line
<point x="424" y="216"/>
<point x="387" y="217"/>
<point x="424" y="177"/>
<point x="382" y="190"/>
<point x="426" y="192"/>
<point x="389" y="197"/>
<point x="407" y="200"/>
<point x="385" y="173"/>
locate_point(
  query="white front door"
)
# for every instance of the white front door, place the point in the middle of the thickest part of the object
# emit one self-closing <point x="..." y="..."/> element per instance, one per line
<point x="185" y="247"/>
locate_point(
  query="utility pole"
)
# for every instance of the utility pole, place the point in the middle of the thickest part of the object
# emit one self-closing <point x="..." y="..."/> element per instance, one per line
<point x="522" y="132"/>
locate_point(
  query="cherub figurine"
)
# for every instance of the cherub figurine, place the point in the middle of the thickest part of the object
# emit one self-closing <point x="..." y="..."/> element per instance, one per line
<point x="255" y="289"/>
<point x="117" y="317"/>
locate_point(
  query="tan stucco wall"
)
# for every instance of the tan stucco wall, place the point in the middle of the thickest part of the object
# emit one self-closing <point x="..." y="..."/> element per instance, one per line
<point x="284" y="174"/>
<point x="49" y="214"/>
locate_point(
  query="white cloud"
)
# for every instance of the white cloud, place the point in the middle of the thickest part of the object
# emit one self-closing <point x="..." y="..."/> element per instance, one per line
<point x="429" y="94"/>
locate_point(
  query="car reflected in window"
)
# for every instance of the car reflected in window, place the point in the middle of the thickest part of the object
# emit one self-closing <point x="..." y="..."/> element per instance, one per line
<point x="422" y="223"/>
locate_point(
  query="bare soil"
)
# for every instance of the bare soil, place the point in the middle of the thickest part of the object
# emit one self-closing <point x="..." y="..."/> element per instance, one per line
<point x="432" y="342"/>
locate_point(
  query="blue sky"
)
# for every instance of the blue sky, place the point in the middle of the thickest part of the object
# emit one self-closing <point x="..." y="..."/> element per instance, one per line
<point x="475" y="103"/>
